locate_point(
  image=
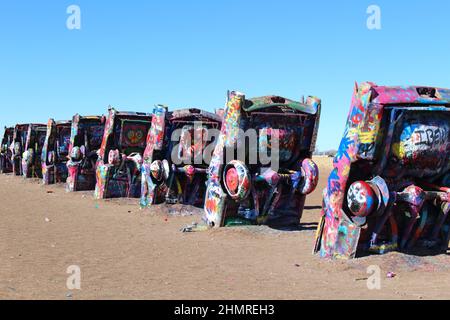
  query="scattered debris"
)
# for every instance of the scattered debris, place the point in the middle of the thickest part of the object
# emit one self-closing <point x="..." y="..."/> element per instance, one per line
<point x="391" y="274"/>
<point x="188" y="228"/>
<point x="194" y="227"/>
<point x="361" y="279"/>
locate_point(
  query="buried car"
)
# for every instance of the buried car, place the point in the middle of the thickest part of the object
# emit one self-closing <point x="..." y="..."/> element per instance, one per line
<point x="85" y="140"/>
<point x="55" y="152"/>
<point x="120" y="155"/>
<point x="26" y="148"/>
<point x="17" y="147"/>
<point x="175" y="166"/>
<point x="267" y="182"/>
<point x="5" y="151"/>
<point x="389" y="189"/>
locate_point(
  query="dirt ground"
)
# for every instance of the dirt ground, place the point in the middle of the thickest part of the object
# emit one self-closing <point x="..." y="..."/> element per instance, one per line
<point x="126" y="253"/>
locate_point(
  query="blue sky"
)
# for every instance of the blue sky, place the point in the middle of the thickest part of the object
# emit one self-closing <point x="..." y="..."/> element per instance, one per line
<point x="133" y="54"/>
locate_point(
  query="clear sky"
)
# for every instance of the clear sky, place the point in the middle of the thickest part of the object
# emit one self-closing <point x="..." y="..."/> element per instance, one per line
<point x="133" y="54"/>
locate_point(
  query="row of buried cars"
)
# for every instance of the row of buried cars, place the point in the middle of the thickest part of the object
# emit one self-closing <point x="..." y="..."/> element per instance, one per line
<point x="389" y="188"/>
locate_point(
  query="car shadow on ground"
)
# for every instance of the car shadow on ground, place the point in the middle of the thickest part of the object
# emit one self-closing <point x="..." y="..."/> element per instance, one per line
<point x="307" y="226"/>
<point x="313" y="208"/>
<point x="417" y="252"/>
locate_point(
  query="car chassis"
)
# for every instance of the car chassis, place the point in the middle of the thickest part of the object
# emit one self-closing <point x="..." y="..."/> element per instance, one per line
<point x="389" y="189"/>
<point x="175" y="166"/>
<point x="120" y="155"/>
<point x="241" y="191"/>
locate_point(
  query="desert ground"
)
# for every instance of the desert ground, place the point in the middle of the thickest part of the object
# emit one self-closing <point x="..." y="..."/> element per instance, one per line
<point x="127" y="253"/>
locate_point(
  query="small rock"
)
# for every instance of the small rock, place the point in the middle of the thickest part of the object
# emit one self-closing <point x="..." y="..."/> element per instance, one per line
<point x="69" y="295"/>
<point x="47" y="219"/>
<point x="297" y="265"/>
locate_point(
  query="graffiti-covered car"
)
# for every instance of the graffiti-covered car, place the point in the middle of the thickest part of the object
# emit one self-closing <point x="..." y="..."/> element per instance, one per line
<point x="55" y="152"/>
<point x="389" y="187"/>
<point x="85" y="140"/>
<point x="261" y="169"/>
<point x="5" y="151"/>
<point x="175" y="164"/>
<point x="120" y="155"/>
<point x="17" y="147"/>
<point x="26" y="149"/>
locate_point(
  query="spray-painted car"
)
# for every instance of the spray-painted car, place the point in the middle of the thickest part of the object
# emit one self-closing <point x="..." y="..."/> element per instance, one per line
<point x="17" y="147"/>
<point x="175" y="168"/>
<point x="85" y="140"/>
<point x="389" y="189"/>
<point x="120" y="155"/>
<point x="5" y="151"/>
<point x="267" y="182"/>
<point x="55" y="152"/>
<point x="26" y="149"/>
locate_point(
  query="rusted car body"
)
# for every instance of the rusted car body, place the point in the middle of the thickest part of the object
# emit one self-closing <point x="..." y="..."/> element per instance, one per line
<point x="250" y="188"/>
<point x="26" y="148"/>
<point x="85" y="141"/>
<point x="120" y="155"/>
<point x="55" y="152"/>
<point x="175" y="168"/>
<point x="5" y="151"/>
<point x="390" y="186"/>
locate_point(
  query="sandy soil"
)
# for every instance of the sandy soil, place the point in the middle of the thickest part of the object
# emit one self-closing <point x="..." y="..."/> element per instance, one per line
<point x="124" y="252"/>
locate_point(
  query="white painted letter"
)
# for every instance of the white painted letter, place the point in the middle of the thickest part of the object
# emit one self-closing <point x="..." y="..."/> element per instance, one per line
<point x="74" y="20"/>
<point x="374" y="19"/>
<point x="374" y="281"/>
<point x="74" y="280"/>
